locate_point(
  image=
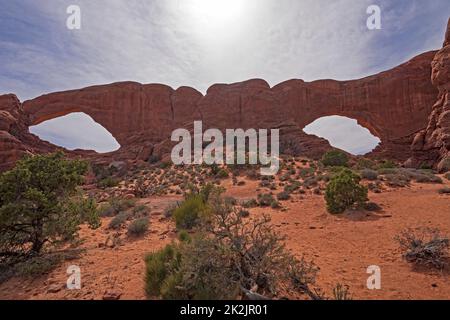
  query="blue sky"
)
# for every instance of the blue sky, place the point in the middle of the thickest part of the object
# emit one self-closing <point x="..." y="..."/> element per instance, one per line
<point x="201" y="42"/>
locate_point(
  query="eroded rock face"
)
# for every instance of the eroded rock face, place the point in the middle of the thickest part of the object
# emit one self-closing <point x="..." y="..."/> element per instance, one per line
<point x="15" y="139"/>
<point x="394" y="105"/>
<point x="431" y="146"/>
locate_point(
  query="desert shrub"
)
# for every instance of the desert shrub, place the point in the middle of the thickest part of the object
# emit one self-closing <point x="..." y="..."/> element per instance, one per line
<point x="222" y="174"/>
<point x="424" y="246"/>
<point x="341" y="292"/>
<point x="387" y="164"/>
<point x="33" y="204"/>
<point x="397" y="179"/>
<point x="447" y="176"/>
<point x="428" y="178"/>
<point x="86" y="209"/>
<point x="310" y="182"/>
<point x="388" y="171"/>
<point x="265" y="199"/>
<point x="364" y="163"/>
<point x="292" y="187"/>
<point x="445" y="190"/>
<point x="108" y="182"/>
<point x="118" y="221"/>
<point x="138" y="227"/>
<point x="154" y="159"/>
<point x="190" y="211"/>
<point x="184" y="236"/>
<point x="106" y="210"/>
<point x="159" y="265"/>
<point x="444" y="165"/>
<point x="335" y="158"/>
<point x="140" y="189"/>
<point x="343" y="191"/>
<point x="230" y="200"/>
<point x="252" y="203"/>
<point x="118" y="204"/>
<point x="369" y="174"/>
<point x="425" y="166"/>
<point x="244" y="213"/>
<point x="165" y="165"/>
<point x="140" y="211"/>
<point x="275" y="204"/>
<point x="225" y="260"/>
<point x="306" y="172"/>
<point x="214" y="169"/>
<point x="372" y="206"/>
<point x="36" y="266"/>
<point x="283" y="196"/>
<point x="168" y="212"/>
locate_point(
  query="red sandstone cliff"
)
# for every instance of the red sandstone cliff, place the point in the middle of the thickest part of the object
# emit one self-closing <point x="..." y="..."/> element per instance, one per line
<point x="394" y="105"/>
<point x="431" y="146"/>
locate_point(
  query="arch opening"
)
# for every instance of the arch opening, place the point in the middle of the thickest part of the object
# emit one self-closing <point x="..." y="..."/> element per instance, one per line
<point x="344" y="133"/>
<point x="76" y="131"/>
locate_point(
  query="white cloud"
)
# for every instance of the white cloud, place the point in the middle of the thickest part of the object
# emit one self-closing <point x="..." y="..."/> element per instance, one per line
<point x="201" y="42"/>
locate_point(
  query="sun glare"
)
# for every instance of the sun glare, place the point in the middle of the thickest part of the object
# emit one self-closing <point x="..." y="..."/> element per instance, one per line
<point x="217" y="11"/>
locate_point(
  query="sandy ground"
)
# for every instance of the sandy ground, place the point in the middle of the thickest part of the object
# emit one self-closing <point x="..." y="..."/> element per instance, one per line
<point x="342" y="246"/>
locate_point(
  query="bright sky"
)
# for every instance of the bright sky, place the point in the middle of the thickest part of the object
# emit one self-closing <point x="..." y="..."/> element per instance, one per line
<point x="201" y="42"/>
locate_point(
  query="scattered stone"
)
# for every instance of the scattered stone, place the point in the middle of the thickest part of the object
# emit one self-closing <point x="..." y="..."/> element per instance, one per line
<point x="112" y="295"/>
<point x="55" y="288"/>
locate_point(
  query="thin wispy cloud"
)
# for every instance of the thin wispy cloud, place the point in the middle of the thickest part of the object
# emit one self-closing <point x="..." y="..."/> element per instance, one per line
<point x="202" y="42"/>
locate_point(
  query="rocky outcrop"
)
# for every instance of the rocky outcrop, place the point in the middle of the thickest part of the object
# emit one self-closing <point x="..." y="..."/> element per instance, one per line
<point x="394" y="105"/>
<point x="431" y="146"/>
<point x="15" y="139"/>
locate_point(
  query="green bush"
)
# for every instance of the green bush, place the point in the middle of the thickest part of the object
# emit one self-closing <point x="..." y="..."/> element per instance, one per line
<point x="106" y="210"/>
<point x="447" y="176"/>
<point x="252" y="203"/>
<point x="138" y="227"/>
<point x="225" y="261"/>
<point x="86" y="209"/>
<point x="275" y="204"/>
<point x="159" y="265"/>
<point x="244" y="213"/>
<point x="184" y="236"/>
<point x="364" y="163"/>
<point x="33" y="203"/>
<point x="283" y="196"/>
<point x="165" y="165"/>
<point x="108" y="182"/>
<point x="343" y="191"/>
<point x="154" y="159"/>
<point x="445" y="190"/>
<point x="265" y="200"/>
<point x="369" y="174"/>
<point x="387" y="164"/>
<point x="119" y="205"/>
<point x="189" y="212"/>
<point x="335" y="158"/>
<point x="118" y="221"/>
<point x="222" y="174"/>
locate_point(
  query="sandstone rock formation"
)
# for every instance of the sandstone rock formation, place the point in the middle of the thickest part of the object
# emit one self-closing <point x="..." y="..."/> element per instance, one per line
<point x="394" y="105"/>
<point x="431" y="146"/>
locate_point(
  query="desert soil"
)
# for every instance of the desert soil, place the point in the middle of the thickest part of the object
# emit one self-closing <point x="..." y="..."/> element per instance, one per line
<point x="343" y="246"/>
